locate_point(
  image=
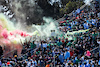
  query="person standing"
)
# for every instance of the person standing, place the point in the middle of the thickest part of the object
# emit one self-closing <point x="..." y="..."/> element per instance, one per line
<point x="1" y="51"/>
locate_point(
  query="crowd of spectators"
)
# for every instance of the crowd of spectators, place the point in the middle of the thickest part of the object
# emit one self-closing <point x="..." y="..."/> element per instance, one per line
<point x="81" y="21"/>
<point x="60" y="52"/>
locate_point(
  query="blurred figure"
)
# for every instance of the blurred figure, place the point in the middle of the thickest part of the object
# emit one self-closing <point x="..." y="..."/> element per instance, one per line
<point x="1" y="51"/>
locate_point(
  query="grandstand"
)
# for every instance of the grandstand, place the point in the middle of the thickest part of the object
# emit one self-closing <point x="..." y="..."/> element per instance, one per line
<point x="77" y="47"/>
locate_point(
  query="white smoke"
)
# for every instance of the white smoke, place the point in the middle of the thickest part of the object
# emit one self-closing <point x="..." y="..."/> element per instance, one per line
<point x="87" y="2"/>
<point x="45" y="30"/>
<point x="53" y="1"/>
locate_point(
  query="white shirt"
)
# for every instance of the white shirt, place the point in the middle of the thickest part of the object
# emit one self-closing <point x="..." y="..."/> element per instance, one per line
<point x="99" y="14"/>
<point x="28" y="63"/>
<point x="66" y="64"/>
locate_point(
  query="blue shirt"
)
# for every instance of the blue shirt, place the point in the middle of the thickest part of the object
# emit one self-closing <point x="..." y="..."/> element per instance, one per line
<point x="99" y="62"/>
<point x="61" y="58"/>
<point x="67" y="55"/>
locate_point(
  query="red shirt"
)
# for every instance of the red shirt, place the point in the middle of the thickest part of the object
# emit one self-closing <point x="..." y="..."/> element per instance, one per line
<point x="71" y="53"/>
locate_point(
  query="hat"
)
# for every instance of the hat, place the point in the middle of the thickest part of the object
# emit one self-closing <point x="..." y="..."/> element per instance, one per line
<point x="8" y="63"/>
<point x="15" y="56"/>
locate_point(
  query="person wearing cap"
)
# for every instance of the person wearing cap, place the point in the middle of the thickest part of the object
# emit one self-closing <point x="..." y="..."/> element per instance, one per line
<point x="8" y="64"/>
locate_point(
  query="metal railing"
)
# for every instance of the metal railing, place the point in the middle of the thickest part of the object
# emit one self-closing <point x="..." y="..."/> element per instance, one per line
<point x="95" y="50"/>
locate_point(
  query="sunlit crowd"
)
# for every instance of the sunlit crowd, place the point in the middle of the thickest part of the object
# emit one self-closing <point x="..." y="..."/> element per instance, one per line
<point x="81" y="51"/>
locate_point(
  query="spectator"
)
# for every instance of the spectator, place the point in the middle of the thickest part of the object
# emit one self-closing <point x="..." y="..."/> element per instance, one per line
<point x="1" y="51"/>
